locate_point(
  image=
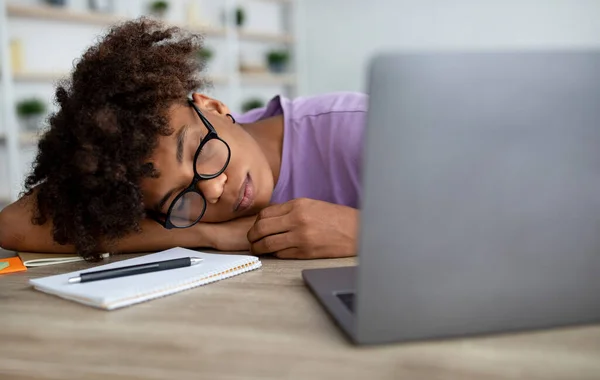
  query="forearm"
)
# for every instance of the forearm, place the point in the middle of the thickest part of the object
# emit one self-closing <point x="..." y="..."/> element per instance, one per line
<point x="226" y="236"/>
<point x="154" y="237"/>
<point x="18" y="233"/>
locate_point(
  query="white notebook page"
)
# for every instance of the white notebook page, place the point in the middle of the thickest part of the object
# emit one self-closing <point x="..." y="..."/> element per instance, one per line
<point x="124" y="291"/>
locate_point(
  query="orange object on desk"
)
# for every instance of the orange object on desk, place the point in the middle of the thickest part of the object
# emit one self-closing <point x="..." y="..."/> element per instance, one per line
<point x="14" y="265"/>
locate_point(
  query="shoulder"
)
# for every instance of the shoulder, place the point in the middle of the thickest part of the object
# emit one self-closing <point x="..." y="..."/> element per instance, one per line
<point x="326" y="104"/>
<point x="339" y="116"/>
<point x="307" y="107"/>
<point x="333" y="124"/>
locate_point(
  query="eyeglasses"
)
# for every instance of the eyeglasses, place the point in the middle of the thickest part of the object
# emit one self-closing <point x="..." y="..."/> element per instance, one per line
<point x="210" y="161"/>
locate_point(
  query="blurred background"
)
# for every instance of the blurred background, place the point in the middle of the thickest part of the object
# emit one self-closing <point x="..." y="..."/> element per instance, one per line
<point x="256" y="49"/>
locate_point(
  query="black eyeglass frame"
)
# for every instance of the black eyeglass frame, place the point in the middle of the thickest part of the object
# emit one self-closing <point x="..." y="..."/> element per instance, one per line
<point x="192" y="188"/>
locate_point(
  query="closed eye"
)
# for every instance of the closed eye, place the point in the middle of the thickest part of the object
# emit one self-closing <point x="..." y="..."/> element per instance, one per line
<point x="181" y="204"/>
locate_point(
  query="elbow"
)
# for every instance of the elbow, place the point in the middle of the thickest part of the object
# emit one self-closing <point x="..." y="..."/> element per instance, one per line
<point x="3" y="230"/>
<point x="9" y="236"/>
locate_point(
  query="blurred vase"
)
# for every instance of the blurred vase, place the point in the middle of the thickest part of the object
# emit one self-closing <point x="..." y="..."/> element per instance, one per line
<point x="159" y="13"/>
<point x="16" y="55"/>
<point x="277" y="67"/>
<point x="105" y="6"/>
<point x="57" y="3"/>
<point x="32" y="123"/>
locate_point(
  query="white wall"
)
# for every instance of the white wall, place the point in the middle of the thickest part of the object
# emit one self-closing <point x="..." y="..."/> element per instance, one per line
<point x="340" y="35"/>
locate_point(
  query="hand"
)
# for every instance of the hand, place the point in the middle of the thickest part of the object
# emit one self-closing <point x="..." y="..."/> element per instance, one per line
<point x="305" y="229"/>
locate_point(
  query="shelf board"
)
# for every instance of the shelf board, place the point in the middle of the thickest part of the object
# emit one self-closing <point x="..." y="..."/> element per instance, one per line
<point x="207" y="31"/>
<point x="277" y="1"/>
<point x="33" y="76"/>
<point x="269" y="79"/>
<point x="219" y="79"/>
<point x="29" y="138"/>
<point x="64" y="14"/>
<point x="265" y="36"/>
<point x="25" y="138"/>
<point x="39" y="76"/>
<point x="246" y="78"/>
<point x="61" y="14"/>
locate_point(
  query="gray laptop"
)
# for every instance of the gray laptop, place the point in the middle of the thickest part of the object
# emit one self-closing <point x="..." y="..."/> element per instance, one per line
<point x="481" y="202"/>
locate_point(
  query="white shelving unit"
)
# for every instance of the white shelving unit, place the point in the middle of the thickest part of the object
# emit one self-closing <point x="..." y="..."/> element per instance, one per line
<point x="232" y="81"/>
<point x="261" y="78"/>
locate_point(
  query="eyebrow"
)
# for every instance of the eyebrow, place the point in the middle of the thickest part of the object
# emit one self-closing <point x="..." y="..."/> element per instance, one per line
<point x="180" y="137"/>
<point x="180" y="140"/>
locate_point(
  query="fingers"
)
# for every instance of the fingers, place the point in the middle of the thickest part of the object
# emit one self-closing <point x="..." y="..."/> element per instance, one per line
<point x="275" y="210"/>
<point x="276" y="230"/>
<point x="265" y="227"/>
<point x="272" y="243"/>
<point x="289" y="253"/>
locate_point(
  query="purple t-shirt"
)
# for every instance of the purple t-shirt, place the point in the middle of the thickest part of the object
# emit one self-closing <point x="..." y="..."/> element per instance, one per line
<point x="322" y="146"/>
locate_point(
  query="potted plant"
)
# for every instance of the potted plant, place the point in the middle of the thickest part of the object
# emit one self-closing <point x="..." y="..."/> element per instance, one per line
<point x="251" y="104"/>
<point x="204" y="54"/>
<point x="159" y="8"/>
<point x="277" y="60"/>
<point x="240" y="17"/>
<point x="31" y="112"/>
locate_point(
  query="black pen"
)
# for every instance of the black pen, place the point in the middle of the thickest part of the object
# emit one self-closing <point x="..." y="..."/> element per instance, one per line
<point x="135" y="269"/>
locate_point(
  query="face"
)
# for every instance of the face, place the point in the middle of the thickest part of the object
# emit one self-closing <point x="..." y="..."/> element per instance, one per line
<point x="242" y="189"/>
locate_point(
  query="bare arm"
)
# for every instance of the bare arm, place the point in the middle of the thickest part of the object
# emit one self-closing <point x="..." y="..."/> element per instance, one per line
<point x="18" y="233"/>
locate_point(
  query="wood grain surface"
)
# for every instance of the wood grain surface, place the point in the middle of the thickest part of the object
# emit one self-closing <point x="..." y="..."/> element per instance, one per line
<point x="260" y="325"/>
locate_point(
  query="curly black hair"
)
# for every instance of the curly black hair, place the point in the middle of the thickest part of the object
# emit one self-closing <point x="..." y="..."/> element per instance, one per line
<point x="91" y="160"/>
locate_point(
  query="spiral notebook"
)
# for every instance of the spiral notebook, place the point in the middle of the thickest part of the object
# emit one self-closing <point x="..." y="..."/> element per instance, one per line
<point x="124" y="291"/>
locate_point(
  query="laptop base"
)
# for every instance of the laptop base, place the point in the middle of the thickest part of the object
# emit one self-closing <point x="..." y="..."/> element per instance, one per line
<point x="335" y="289"/>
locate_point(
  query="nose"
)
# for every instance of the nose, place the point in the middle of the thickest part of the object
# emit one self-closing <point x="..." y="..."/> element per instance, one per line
<point x="213" y="188"/>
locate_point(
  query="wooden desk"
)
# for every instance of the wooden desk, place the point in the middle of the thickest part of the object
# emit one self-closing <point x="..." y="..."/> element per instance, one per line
<point x="260" y="325"/>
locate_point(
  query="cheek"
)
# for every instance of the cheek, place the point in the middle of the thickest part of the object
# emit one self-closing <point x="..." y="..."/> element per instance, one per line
<point x="241" y="159"/>
<point x="240" y="143"/>
<point x="215" y="214"/>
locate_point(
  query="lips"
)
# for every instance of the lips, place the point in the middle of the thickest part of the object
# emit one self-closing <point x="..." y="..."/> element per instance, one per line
<point x="246" y="195"/>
